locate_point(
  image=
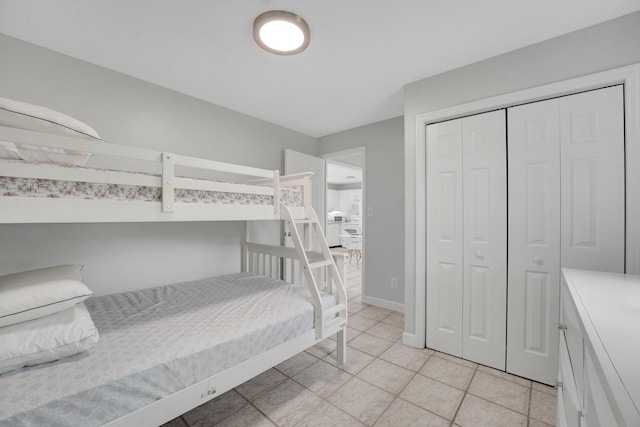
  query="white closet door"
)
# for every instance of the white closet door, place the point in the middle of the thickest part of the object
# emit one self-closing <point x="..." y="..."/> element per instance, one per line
<point x="592" y="153"/>
<point x="444" y="237"/>
<point x="566" y="209"/>
<point x="484" y="160"/>
<point x="534" y="240"/>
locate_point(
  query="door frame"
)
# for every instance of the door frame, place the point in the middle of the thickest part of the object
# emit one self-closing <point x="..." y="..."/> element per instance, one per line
<point x="415" y="178"/>
<point x="335" y="155"/>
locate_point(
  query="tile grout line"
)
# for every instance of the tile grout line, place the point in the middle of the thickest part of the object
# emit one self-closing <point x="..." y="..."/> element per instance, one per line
<point x="263" y="414"/>
<point x="355" y="375"/>
<point x="316" y="394"/>
<point x="477" y="369"/>
<point x="396" y="395"/>
<point x="466" y="391"/>
<point x="415" y="374"/>
<point x="336" y="390"/>
<point x="529" y="405"/>
<point x="498" y="404"/>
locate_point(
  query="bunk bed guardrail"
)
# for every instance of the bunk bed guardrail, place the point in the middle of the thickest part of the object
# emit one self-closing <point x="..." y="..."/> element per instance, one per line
<point x="287" y="264"/>
<point x="257" y="181"/>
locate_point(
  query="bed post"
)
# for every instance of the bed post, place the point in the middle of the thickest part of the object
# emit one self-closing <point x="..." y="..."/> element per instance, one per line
<point x="341" y="336"/>
<point x="341" y="265"/>
<point x="341" y="341"/>
<point x="168" y="182"/>
<point x="276" y="193"/>
<point x="306" y="192"/>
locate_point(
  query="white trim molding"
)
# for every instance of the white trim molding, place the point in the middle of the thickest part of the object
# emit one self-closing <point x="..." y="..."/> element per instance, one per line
<point x="415" y="184"/>
<point x="383" y="303"/>
<point x="344" y="153"/>
<point x="362" y="151"/>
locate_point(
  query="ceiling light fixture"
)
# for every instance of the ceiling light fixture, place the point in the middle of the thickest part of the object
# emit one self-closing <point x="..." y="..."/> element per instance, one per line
<point x="281" y="32"/>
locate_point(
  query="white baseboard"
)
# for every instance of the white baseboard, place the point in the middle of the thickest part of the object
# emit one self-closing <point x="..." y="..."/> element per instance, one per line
<point x="383" y="303"/>
<point x="412" y="340"/>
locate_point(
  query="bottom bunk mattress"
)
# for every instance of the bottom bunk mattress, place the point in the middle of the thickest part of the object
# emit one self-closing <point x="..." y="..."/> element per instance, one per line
<point x="154" y="342"/>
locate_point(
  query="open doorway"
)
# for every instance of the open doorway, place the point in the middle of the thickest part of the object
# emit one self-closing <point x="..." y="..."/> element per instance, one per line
<point x="344" y="205"/>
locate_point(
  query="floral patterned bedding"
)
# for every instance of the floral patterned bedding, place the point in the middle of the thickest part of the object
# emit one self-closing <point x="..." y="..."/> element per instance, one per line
<point x="34" y="187"/>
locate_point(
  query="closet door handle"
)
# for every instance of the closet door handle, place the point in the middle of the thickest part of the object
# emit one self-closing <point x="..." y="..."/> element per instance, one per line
<point x="537" y="260"/>
<point x="479" y="254"/>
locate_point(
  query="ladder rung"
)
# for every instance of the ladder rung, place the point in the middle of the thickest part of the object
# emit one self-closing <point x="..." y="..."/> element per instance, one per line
<point x="333" y="310"/>
<point x="305" y="221"/>
<point x="319" y="264"/>
<point x="314" y="256"/>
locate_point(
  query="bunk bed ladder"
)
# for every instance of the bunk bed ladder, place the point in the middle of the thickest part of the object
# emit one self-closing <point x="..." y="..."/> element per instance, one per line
<point x="318" y="266"/>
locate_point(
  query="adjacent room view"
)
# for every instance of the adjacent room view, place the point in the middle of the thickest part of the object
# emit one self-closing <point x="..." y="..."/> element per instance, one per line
<point x="362" y="213"/>
<point x="345" y="222"/>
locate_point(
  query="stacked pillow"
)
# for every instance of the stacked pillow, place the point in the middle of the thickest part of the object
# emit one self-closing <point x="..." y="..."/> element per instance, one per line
<point x="42" y="317"/>
<point x="21" y="115"/>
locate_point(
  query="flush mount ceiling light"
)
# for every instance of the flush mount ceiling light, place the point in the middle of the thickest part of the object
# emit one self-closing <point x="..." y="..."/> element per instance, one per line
<point x="281" y="32"/>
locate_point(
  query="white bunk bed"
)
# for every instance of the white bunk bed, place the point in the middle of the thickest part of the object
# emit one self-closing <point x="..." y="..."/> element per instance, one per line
<point x="308" y="268"/>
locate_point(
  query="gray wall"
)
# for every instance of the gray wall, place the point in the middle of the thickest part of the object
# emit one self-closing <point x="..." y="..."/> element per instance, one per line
<point x="601" y="47"/>
<point x="128" y="111"/>
<point x="384" y="192"/>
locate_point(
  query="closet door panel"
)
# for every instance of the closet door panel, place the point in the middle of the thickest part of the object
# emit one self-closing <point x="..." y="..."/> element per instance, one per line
<point x="536" y="292"/>
<point x="592" y="153"/>
<point x="485" y="238"/>
<point x="534" y="240"/>
<point x="444" y="237"/>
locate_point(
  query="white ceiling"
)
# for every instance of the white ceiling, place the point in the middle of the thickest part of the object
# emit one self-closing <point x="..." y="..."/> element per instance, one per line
<point x="361" y="54"/>
<point x="342" y="173"/>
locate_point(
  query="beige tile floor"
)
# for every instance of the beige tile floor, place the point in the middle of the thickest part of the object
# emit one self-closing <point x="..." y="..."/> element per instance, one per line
<point x="384" y="383"/>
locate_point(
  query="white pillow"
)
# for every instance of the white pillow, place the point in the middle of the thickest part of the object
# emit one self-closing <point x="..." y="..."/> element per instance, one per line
<point x="46" y="339"/>
<point x="21" y="115"/>
<point x="33" y="294"/>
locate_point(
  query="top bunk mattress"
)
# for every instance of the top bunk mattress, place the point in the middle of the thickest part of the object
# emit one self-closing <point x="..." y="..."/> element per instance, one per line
<point x="154" y="342"/>
<point x="11" y="186"/>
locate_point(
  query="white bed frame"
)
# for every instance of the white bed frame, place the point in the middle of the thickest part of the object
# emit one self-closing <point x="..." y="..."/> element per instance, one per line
<point x="286" y="263"/>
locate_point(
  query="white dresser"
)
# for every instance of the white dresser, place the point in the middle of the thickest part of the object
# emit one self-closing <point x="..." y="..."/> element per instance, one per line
<point x="599" y="369"/>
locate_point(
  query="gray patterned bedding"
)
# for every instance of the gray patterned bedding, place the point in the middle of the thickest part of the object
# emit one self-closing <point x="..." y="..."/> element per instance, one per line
<point x="155" y="342"/>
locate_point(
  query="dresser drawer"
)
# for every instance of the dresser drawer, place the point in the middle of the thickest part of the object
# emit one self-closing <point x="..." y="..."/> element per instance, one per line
<point x="598" y="410"/>
<point x="572" y="332"/>
<point x="569" y="400"/>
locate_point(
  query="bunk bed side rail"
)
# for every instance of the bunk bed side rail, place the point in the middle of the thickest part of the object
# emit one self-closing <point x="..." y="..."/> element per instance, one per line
<point x="57" y="173"/>
<point x="168" y="181"/>
<point x="105" y="148"/>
